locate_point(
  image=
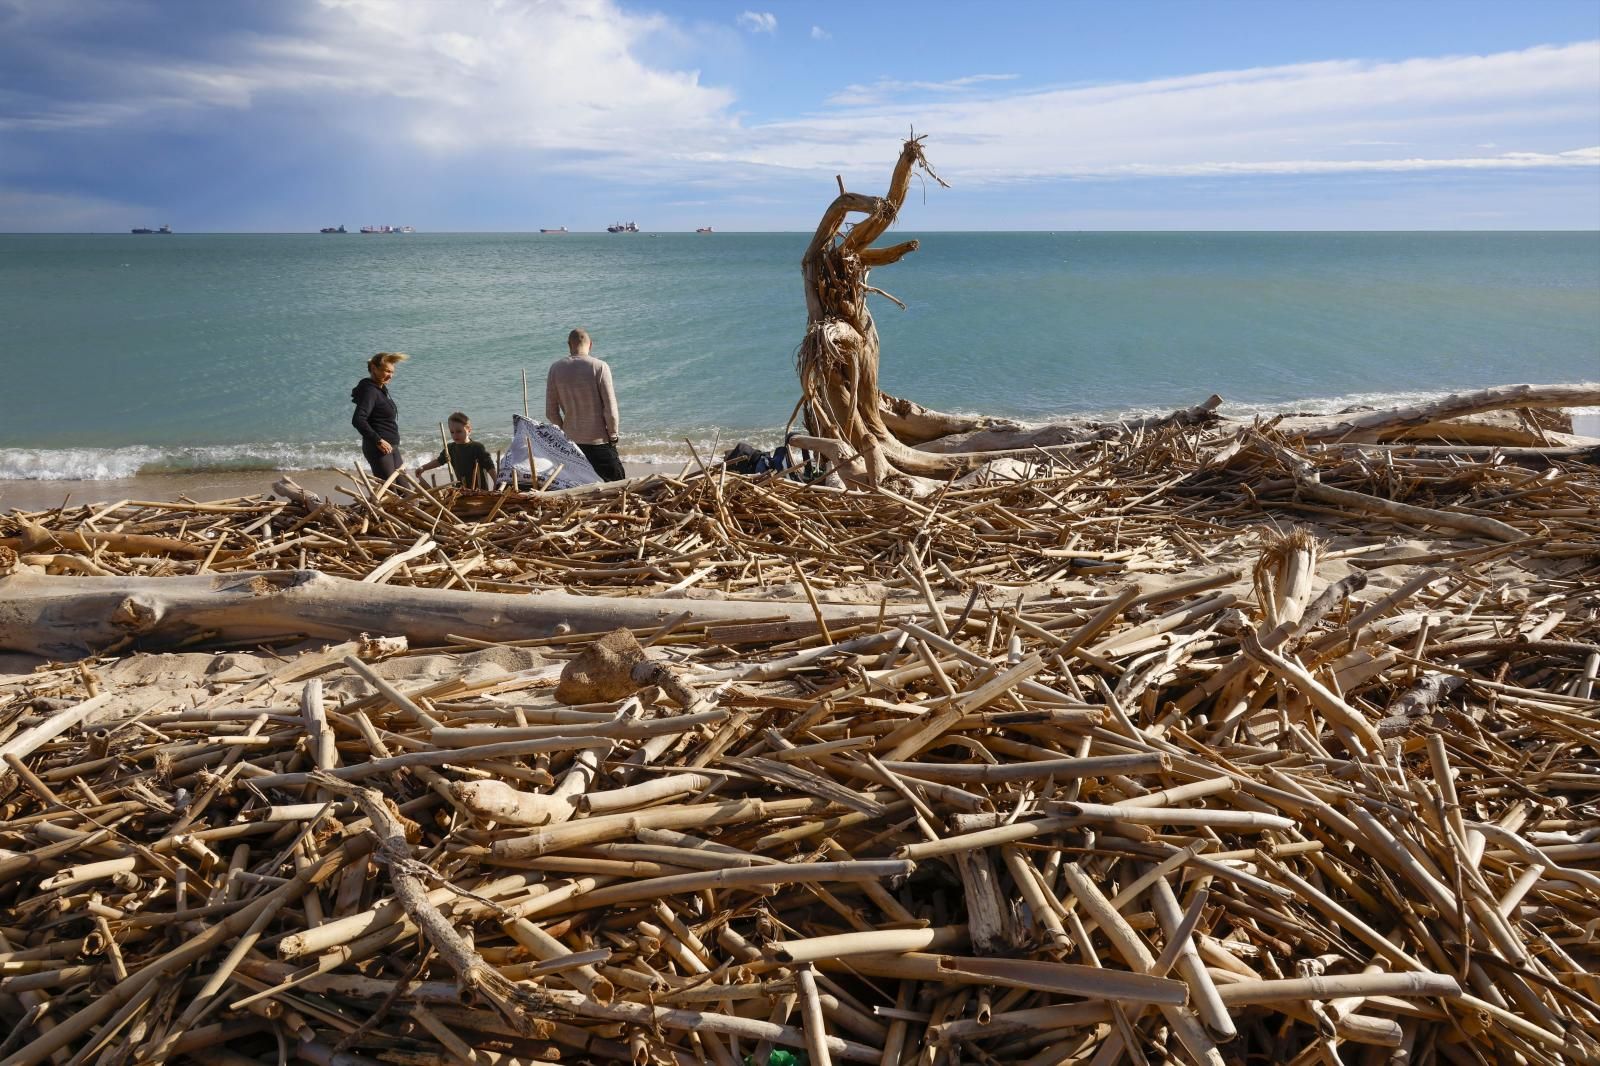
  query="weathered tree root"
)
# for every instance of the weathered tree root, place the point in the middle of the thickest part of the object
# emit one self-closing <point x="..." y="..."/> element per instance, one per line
<point x="838" y="359"/>
<point x="614" y="667"/>
<point x="915" y="424"/>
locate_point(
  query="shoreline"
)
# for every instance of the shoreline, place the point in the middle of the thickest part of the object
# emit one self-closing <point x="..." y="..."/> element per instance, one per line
<point x="201" y="486"/>
<point x="211" y="485"/>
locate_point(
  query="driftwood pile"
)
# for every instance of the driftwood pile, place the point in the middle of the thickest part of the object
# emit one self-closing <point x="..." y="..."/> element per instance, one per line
<point x="1151" y="501"/>
<point x="1295" y="798"/>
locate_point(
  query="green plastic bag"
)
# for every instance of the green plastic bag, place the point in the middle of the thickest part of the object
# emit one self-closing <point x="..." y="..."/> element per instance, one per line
<point x="781" y="1057"/>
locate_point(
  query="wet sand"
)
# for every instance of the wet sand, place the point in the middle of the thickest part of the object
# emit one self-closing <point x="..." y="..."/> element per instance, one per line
<point x="201" y="487"/>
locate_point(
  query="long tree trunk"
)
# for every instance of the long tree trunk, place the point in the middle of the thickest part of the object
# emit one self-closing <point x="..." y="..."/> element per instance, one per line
<point x="66" y="618"/>
<point x="1001" y="439"/>
<point x="1447" y="419"/>
<point x="1374" y="426"/>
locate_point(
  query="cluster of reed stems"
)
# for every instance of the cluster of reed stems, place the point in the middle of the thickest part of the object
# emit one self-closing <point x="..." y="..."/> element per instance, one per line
<point x="1125" y="774"/>
<point x="1144" y="503"/>
<point x="1232" y="817"/>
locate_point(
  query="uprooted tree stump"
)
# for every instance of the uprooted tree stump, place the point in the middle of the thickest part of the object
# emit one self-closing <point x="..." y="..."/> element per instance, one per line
<point x="870" y="435"/>
<point x="838" y="359"/>
<point x="878" y="434"/>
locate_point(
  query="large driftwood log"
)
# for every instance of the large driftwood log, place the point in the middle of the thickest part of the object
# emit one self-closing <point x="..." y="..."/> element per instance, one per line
<point x="1375" y="426"/>
<point x="66" y="618"/>
<point x="1021" y="439"/>
<point x="1448" y="419"/>
<point x="1587" y="452"/>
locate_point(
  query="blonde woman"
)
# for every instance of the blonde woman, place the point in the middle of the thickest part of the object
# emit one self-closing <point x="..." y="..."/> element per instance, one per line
<point x="377" y="417"/>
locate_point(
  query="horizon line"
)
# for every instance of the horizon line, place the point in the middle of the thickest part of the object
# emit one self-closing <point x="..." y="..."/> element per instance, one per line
<point x="678" y="232"/>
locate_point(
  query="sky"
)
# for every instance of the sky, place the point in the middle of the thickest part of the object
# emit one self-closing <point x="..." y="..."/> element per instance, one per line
<point x="511" y="115"/>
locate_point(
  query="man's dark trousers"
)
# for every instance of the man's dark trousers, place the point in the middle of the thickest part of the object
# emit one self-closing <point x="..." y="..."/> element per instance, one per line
<point x="604" y="459"/>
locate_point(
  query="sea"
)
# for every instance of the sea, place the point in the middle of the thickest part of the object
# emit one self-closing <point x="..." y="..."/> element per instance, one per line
<point x="124" y="355"/>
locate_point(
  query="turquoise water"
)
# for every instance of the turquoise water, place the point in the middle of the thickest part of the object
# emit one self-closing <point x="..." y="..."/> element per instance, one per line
<point x="121" y="354"/>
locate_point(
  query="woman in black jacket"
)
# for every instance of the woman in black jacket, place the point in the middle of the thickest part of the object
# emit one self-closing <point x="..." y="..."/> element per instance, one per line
<point x="377" y="416"/>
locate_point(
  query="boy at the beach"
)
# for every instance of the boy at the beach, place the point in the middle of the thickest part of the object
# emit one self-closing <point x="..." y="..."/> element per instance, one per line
<point x="468" y="459"/>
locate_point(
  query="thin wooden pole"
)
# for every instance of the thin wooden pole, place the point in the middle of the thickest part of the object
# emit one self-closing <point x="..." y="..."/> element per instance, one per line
<point x="444" y="439"/>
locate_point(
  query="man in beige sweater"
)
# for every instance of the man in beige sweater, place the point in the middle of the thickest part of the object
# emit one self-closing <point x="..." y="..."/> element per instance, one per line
<point x="579" y="399"/>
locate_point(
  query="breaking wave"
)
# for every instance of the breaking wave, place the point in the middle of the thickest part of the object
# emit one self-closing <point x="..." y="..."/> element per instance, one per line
<point x="111" y="464"/>
<point x="1316" y="405"/>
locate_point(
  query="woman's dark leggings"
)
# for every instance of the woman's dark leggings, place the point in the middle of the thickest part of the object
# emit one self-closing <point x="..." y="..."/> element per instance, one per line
<point x="382" y="465"/>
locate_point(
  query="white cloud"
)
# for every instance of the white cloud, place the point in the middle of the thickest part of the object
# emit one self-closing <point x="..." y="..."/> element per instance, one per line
<point x="512" y="75"/>
<point x="1582" y="157"/>
<point x="758" y="21"/>
<point x="1275" y="120"/>
<point x="886" y="90"/>
<point x="820" y="34"/>
<point x="567" y="82"/>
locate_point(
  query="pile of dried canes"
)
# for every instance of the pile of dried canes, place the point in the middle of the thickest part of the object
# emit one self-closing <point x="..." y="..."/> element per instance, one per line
<point x="1141" y="502"/>
<point x="1333" y="800"/>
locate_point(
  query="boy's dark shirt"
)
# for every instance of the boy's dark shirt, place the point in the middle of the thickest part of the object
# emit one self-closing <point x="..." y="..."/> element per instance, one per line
<point x="377" y="415"/>
<point x="466" y="460"/>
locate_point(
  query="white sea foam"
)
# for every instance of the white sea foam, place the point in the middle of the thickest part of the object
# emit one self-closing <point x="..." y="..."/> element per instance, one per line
<point x="110" y="464"/>
<point x="1315" y="405"/>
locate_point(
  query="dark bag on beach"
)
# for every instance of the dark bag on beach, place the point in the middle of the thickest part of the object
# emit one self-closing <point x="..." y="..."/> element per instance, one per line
<point x="745" y="458"/>
<point x="742" y="458"/>
<point x="777" y="459"/>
